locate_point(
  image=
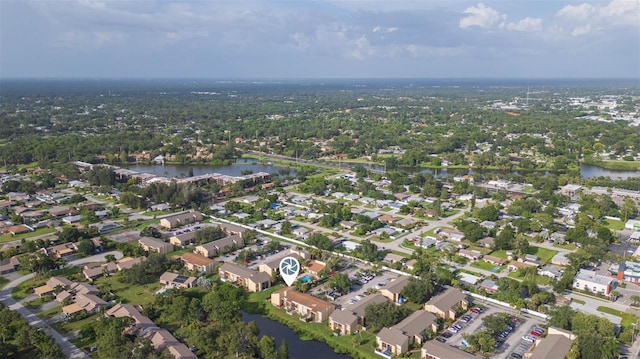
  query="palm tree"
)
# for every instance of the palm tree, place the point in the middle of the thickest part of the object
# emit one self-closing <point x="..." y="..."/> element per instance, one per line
<point x="635" y="299"/>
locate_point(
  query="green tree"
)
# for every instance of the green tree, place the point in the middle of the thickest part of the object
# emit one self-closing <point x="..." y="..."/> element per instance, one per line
<point x="418" y="290"/>
<point x="267" y="348"/>
<point x="86" y="247"/>
<point x="340" y="281"/>
<point x="283" y="350"/>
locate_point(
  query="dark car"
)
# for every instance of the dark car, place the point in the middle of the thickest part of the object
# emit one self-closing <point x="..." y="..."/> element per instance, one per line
<point x="441" y="339"/>
<point x="516" y="356"/>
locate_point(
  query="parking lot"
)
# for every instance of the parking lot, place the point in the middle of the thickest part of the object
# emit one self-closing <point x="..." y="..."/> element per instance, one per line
<point x="513" y="342"/>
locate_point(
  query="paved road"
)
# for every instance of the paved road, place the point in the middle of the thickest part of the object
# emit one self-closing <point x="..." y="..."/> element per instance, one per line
<point x="68" y="348"/>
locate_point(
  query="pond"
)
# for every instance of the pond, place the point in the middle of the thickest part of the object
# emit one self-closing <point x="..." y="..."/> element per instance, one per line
<point x="235" y="169"/>
<point x="298" y="348"/>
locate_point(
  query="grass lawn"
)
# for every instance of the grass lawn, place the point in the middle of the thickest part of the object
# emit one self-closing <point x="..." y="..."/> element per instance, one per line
<point x="37" y="232"/>
<point x="157" y="213"/>
<point x="3" y="281"/>
<point x="318" y="331"/>
<point x="544" y="254"/>
<point x="33" y="304"/>
<point x="500" y="254"/>
<point x="71" y="326"/>
<point x="613" y="224"/>
<point x="128" y="293"/>
<point x="25" y="288"/>
<point x="579" y="301"/>
<point x="50" y="313"/>
<point x="567" y="246"/>
<point x="485" y="265"/>
<point x="381" y="239"/>
<point x="627" y="318"/>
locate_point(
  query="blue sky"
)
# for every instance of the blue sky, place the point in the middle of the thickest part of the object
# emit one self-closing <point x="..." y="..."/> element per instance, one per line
<point x="320" y="39"/>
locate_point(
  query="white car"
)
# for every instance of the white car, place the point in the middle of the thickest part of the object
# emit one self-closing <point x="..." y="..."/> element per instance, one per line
<point x="529" y="339"/>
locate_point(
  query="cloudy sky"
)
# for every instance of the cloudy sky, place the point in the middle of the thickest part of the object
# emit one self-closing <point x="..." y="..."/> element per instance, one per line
<point x="320" y="39"/>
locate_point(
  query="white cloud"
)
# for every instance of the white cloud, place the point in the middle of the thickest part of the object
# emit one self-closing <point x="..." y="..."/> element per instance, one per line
<point x="527" y="24"/>
<point x="481" y="16"/>
<point x="585" y="18"/>
<point x="385" y="30"/>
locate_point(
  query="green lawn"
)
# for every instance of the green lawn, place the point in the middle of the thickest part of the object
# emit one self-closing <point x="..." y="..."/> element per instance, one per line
<point x="71" y="326"/>
<point x="128" y="293"/>
<point x="36" y="303"/>
<point x="25" y="288"/>
<point x="3" y="281"/>
<point x="485" y="265"/>
<point x="500" y="254"/>
<point x="470" y="272"/>
<point x="579" y="301"/>
<point x="540" y="279"/>
<point x="627" y="318"/>
<point x="50" y="313"/>
<point x="544" y="254"/>
<point x="613" y="224"/>
<point x="567" y="246"/>
<point x="37" y="232"/>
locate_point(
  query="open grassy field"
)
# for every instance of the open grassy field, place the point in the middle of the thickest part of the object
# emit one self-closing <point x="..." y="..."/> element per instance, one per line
<point x="613" y="224"/>
<point x="127" y="293"/>
<point x="544" y="254"/>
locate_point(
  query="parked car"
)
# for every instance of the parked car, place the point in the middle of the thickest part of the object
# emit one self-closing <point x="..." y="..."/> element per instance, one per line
<point x="475" y="310"/>
<point x="441" y="339"/>
<point x="539" y="330"/>
<point x="529" y="339"/>
<point x="516" y="356"/>
<point x="534" y="333"/>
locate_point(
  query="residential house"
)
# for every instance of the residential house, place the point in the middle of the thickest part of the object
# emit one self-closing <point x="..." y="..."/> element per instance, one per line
<point x="151" y="244"/>
<point x="17" y="229"/>
<point x="215" y="248"/>
<point x="550" y="271"/>
<point x="515" y="265"/>
<point x="162" y="339"/>
<point x="63" y="250"/>
<point x="487" y="242"/>
<point x="444" y="304"/>
<point x="393" y="289"/>
<point x="386" y="218"/>
<point x="175" y="280"/>
<point x="314" y="267"/>
<point x="452" y="235"/>
<point x="181" y="219"/>
<point x="184" y="239"/>
<point x="249" y="279"/>
<point x="470" y="254"/>
<point x="412" y="329"/>
<point x="436" y="350"/>
<point x="96" y="271"/>
<point x="393" y="258"/>
<point x="232" y="229"/>
<point x="140" y="322"/>
<point x="54" y="284"/>
<point x="307" y="306"/>
<point x="89" y="303"/>
<point x="198" y="263"/>
<point x="497" y="261"/>
<point x="488" y="224"/>
<point x="9" y="265"/>
<point x="590" y="280"/>
<point x="406" y="222"/>
<point x="489" y="286"/>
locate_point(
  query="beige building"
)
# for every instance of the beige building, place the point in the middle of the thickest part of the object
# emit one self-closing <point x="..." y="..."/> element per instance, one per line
<point x="443" y="305"/>
<point x="413" y="329"/>
<point x="181" y="219"/>
<point x="215" y="248"/>
<point x="197" y="262"/>
<point x="249" y="279"/>
<point x="393" y="289"/>
<point x="151" y="244"/>
<point x="307" y="306"/>
<point x="344" y="324"/>
<point x="184" y="239"/>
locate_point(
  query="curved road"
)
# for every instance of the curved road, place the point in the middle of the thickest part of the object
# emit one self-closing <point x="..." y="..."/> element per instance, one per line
<point x="68" y="348"/>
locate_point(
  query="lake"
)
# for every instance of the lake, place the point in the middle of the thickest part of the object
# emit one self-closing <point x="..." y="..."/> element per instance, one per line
<point x="298" y="348"/>
<point x="589" y="171"/>
<point x="235" y="169"/>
